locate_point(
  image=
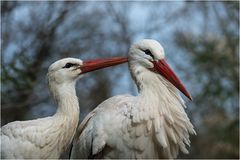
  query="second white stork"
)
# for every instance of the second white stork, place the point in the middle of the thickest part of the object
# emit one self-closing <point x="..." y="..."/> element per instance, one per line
<point x="150" y="125"/>
<point x="49" y="137"/>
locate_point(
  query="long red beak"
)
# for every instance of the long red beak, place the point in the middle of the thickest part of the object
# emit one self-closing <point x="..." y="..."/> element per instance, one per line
<point x="92" y="65"/>
<point x="165" y="70"/>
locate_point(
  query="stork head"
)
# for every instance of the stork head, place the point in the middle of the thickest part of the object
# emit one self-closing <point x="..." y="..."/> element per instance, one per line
<point x="68" y="70"/>
<point x="148" y="55"/>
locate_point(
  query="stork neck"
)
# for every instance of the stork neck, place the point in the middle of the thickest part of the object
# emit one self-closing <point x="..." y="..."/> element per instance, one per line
<point x="159" y="97"/>
<point x="66" y="99"/>
<point x="148" y="83"/>
<point x="154" y="89"/>
<point x="150" y="89"/>
<point x="67" y="115"/>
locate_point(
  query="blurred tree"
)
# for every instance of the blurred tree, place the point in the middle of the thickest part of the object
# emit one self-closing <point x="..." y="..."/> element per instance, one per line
<point x="26" y="60"/>
<point x="206" y="36"/>
<point x="216" y="67"/>
<point x="32" y="41"/>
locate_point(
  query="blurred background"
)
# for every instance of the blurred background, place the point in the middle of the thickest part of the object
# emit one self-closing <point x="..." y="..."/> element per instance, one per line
<point x="201" y="41"/>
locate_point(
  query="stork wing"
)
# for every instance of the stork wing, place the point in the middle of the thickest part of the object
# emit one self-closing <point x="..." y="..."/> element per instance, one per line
<point x="83" y="131"/>
<point x="21" y="136"/>
<point x="122" y="128"/>
<point x="91" y="138"/>
<point x="83" y="124"/>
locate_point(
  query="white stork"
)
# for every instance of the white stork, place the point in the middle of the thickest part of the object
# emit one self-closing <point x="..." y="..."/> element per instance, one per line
<point x="150" y="125"/>
<point x="49" y="137"/>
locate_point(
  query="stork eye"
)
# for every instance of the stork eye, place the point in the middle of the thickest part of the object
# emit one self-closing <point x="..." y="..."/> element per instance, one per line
<point x="148" y="52"/>
<point x="68" y="65"/>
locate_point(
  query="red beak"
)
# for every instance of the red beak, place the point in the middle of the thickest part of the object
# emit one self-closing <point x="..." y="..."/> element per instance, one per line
<point x="92" y="65"/>
<point x="165" y="70"/>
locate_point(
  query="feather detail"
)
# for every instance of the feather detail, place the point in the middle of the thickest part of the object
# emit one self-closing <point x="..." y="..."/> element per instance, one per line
<point x="183" y="148"/>
<point x="157" y="124"/>
<point x="139" y="130"/>
<point x="149" y="125"/>
<point x="161" y="137"/>
<point x="171" y="134"/>
<point x="140" y="143"/>
<point x="98" y="145"/>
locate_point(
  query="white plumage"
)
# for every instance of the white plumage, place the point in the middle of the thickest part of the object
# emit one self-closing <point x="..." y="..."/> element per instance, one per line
<point x="150" y="125"/>
<point x="49" y="137"/>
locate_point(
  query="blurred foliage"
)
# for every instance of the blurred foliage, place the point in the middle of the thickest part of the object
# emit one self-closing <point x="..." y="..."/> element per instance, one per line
<point x="216" y="61"/>
<point x="205" y="36"/>
<point x="31" y="43"/>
